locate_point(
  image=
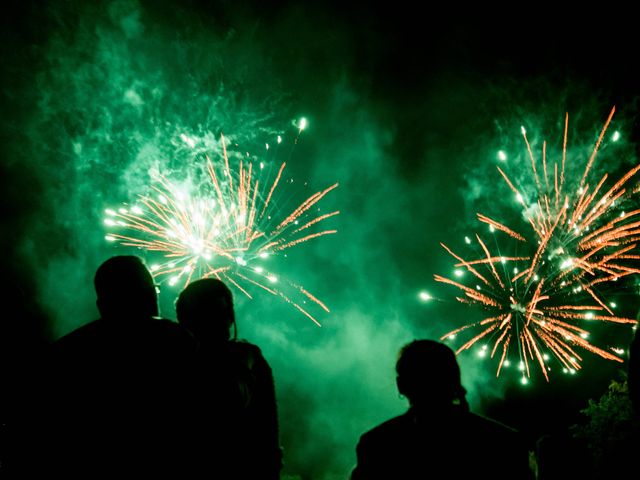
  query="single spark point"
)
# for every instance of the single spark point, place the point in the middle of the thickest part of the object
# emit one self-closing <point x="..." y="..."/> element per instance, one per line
<point x="302" y="124"/>
<point x="507" y="363"/>
<point x="123" y="211"/>
<point x="616" y="136"/>
<point x="584" y="334"/>
<point x="264" y="255"/>
<point x="458" y="273"/>
<point x="502" y="155"/>
<point x="613" y="304"/>
<point x="521" y="366"/>
<point x="109" y="222"/>
<point x="258" y="269"/>
<point x="137" y="210"/>
<point x="279" y="139"/>
<point x="545" y="356"/>
<point x="524" y="381"/>
<point x="174" y="280"/>
<point x="272" y="278"/>
<point x="482" y="353"/>
<point x="108" y="211"/>
<point x="519" y="198"/>
<point x="516" y="307"/>
<point x="261" y="165"/>
<point x="588" y="315"/>
<point x="522" y="129"/>
<point x="109" y="238"/>
<point x="424" y="296"/>
<point x="451" y="337"/>
<point x="154" y="267"/>
<point x="566" y="264"/>
<point x="492" y="228"/>
<point x="267" y="147"/>
<point x="467" y="240"/>
<point x="186" y="139"/>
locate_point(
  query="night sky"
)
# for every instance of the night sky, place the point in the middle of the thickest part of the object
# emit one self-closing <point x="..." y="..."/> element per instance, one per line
<point x="407" y="110"/>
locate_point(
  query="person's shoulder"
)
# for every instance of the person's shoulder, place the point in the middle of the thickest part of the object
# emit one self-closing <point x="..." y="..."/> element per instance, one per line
<point x="86" y="340"/>
<point x="494" y="428"/>
<point x="166" y="324"/>
<point x="246" y="349"/>
<point x="80" y="334"/>
<point x="245" y="345"/>
<point x="387" y="429"/>
<point x="168" y="329"/>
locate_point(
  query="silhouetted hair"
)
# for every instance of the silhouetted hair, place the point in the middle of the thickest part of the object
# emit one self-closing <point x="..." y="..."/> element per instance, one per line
<point x="428" y="371"/>
<point x="125" y="288"/>
<point x="205" y="307"/>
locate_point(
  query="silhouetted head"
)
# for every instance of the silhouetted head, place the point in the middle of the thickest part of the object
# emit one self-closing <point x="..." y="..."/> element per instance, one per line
<point x="205" y="308"/>
<point x="428" y="373"/>
<point x="125" y="289"/>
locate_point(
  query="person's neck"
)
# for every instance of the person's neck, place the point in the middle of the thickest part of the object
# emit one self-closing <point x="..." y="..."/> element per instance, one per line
<point x="433" y="406"/>
<point x="213" y="344"/>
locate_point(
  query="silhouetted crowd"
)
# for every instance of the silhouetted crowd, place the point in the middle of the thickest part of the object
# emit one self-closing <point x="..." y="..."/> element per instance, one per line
<point x="133" y="395"/>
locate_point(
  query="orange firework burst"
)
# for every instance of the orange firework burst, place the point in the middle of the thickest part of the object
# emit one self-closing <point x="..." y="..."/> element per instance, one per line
<point x="581" y="242"/>
<point x="224" y="228"/>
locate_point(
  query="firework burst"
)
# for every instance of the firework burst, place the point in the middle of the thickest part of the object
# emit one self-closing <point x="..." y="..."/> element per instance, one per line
<point x="579" y="240"/>
<point x="224" y="227"/>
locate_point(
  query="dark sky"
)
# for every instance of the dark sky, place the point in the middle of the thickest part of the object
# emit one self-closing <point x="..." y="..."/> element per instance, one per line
<point x="407" y="106"/>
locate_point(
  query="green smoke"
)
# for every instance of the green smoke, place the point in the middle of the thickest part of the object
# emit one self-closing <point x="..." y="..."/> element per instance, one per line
<point x="104" y="91"/>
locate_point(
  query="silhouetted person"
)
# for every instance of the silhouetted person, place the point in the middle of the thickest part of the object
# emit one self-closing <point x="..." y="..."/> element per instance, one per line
<point x="438" y="437"/>
<point x="118" y="392"/>
<point x="238" y="401"/>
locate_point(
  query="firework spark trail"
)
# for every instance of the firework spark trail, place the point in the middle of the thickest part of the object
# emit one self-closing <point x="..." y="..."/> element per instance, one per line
<point x="223" y="227"/>
<point x="580" y="240"/>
